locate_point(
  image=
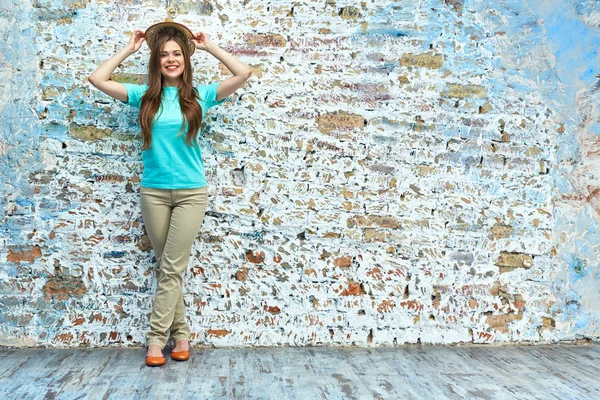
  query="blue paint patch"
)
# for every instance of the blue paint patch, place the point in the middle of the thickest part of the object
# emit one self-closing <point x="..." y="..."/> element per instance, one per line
<point x="24" y="203"/>
<point x="573" y="44"/>
<point x="56" y="131"/>
<point x="53" y="15"/>
<point x="568" y="150"/>
<point x="383" y="32"/>
<point x="594" y="129"/>
<point x="537" y="195"/>
<point x="254" y="235"/>
<point x="114" y="254"/>
<point x="11" y="271"/>
<point x="578" y="269"/>
<point x="383" y="18"/>
<point x="387" y="67"/>
<point x="582" y="322"/>
<point x="573" y="297"/>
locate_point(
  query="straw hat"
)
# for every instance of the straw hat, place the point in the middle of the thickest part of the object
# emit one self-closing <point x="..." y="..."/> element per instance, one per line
<point x="171" y="29"/>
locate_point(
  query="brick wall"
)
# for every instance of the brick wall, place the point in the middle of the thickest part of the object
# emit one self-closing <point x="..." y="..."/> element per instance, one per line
<point x="387" y="176"/>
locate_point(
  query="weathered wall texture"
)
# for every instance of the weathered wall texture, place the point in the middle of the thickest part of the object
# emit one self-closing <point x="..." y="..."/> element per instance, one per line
<point x="393" y="172"/>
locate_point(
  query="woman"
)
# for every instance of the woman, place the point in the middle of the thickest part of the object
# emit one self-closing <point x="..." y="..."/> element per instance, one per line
<point x="173" y="193"/>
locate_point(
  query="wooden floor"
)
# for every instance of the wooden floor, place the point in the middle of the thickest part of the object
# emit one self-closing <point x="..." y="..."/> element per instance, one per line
<point x="432" y="373"/>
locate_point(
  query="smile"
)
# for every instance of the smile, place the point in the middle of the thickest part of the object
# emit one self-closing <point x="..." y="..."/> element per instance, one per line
<point x="171" y="67"/>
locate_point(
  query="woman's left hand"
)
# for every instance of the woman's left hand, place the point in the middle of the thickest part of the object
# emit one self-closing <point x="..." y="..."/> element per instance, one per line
<point x="200" y="40"/>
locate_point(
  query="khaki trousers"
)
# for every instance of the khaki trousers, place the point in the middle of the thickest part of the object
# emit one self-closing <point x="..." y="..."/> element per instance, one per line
<point x="173" y="219"/>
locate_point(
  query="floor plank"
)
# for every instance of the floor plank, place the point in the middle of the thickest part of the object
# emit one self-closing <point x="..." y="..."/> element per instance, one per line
<point x="413" y="372"/>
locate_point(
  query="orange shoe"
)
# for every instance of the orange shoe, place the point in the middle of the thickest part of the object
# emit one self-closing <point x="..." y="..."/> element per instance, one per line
<point x="183" y="355"/>
<point x="153" y="361"/>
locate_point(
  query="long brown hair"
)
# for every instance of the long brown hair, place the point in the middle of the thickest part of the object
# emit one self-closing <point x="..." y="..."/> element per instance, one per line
<point x="190" y="109"/>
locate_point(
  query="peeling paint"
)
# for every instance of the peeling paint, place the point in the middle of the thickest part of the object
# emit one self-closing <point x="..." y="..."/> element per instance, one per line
<point x="396" y="173"/>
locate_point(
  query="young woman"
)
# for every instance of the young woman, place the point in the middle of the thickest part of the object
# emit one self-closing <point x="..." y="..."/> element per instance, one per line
<point x="173" y="194"/>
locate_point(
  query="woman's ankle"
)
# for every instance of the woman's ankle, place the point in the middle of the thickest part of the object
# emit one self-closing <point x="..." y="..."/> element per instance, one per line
<point x="154" y="349"/>
<point x="182" y="344"/>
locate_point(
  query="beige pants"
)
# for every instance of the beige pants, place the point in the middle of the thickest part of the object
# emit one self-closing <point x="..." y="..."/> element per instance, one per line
<point x="173" y="219"/>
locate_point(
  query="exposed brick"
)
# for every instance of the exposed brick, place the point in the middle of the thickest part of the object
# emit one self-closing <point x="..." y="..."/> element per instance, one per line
<point x="373" y="221"/>
<point x="64" y="286"/>
<point x="519" y="303"/>
<point x="386" y="306"/>
<point x="548" y="322"/>
<point x="343" y="262"/>
<point x="340" y="121"/>
<point x="197" y="270"/>
<point x="413" y="305"/>
<point x="256" y="257"/>
<point x="109" y="178"/>
<point x="349" y="13"/>
<point x="473" y="303"/>
<point x="487" y="107"/>
<point x="266" y="40"/>
<point x="64" y="337"/>
<point x="425" y="170"/>
<point x="123" y="77"/>
<point x="272" y="309"/>
<point x="464" y="91"/>
<point x="218" y="333"/>
<point x="17" y="320"/>
<point x="508" y="261"/>
<point x="17" y="255"/>
<point x="201" y="7"/>
<point x="143" y="243"/>
<point x="353" y="289"/>
<point x="374" y="235"/>
<point x="425" y="60"/>
<point x="89" y="132"/>
<point x="495" y="290"/>
<point x="500" y="231"/>
<point x="241" y="275"/>
<point x="50" y="93"/>
<point x="257" y="70"/>
<point x="500" y="322"/>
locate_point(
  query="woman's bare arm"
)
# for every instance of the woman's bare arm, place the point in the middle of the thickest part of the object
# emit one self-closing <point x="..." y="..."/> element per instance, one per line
<point x="241" y="72"/>
<point x="100" y="78"/>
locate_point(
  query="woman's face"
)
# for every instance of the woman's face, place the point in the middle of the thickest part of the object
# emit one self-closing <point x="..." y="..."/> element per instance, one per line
<point x="172" y="63"/>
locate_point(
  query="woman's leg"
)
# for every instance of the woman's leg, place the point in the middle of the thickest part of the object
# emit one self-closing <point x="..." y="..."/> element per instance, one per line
<point x="189" y="207"/>
<point x="180" y="330"/>
<point x="156" y="214"/>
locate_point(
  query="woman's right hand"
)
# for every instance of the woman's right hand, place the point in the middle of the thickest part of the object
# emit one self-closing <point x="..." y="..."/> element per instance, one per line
<point x="100" y="78"/>
<point x="135" y="41"/>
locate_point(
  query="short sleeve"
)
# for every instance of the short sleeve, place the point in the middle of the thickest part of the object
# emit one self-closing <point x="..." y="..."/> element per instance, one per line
<point x="208" y="94"/>
<point x="134" y="94"/>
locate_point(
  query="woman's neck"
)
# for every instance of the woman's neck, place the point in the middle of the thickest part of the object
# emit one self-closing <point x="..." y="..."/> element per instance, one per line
<point x="170" y="83"/>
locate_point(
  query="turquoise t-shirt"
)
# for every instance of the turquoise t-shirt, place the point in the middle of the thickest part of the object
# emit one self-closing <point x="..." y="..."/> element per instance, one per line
<point x="171" y="163"/>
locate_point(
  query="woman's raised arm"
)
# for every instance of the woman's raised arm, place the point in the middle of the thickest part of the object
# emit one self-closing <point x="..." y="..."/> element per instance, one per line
<point x="100" y="78"/>
<point x="241" y="72"/>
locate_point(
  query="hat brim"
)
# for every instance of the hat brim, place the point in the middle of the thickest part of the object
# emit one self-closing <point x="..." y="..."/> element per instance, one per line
<point x="170" y="28"/>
